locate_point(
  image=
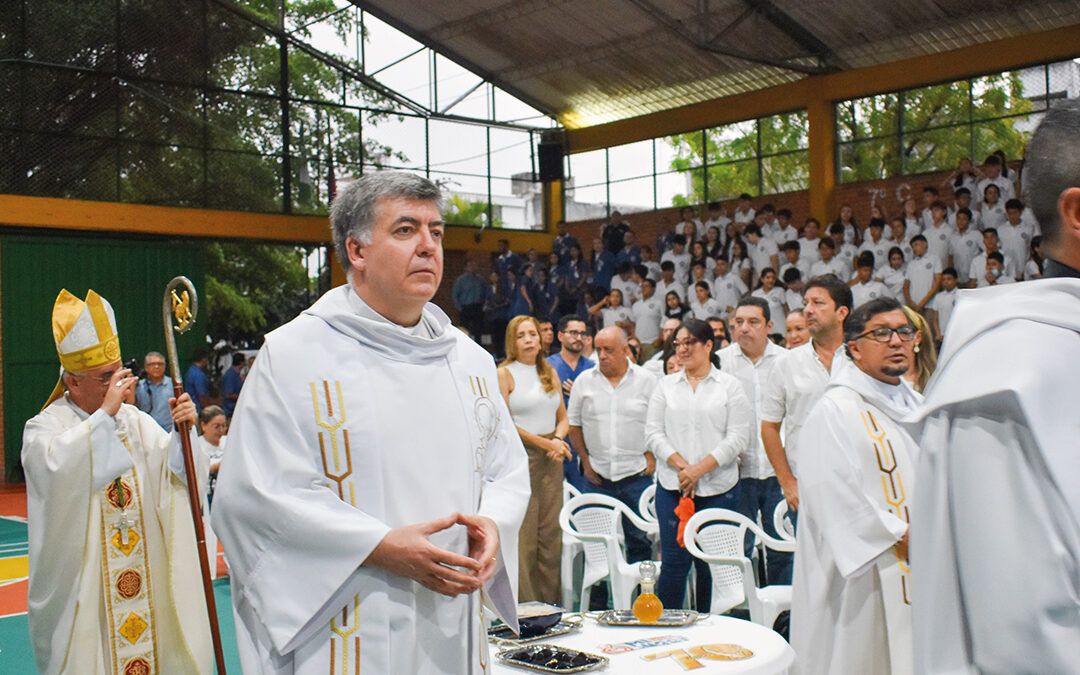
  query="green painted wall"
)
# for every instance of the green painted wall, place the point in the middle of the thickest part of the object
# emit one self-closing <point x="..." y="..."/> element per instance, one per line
<point x="130" y="273"/>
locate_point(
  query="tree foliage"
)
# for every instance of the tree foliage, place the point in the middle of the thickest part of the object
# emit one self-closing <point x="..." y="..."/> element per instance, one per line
<point x="916" y="131"/>
<point x="461" y="211"/>
<point x="179" y="102"/>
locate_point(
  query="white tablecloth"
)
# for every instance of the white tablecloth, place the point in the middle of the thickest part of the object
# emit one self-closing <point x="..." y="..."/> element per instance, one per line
<point x="772" y="654"/>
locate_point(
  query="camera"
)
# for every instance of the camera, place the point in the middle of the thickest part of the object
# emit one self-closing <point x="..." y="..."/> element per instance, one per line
<point x="135" y="368"/>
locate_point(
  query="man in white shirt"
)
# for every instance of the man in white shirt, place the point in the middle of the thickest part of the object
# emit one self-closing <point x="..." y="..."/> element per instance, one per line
<point x="964" y="245"/>
<point x="978" y="268"/>
<point x="963" y="201"/>
<point x="751" y="358"/>
<point x="865" y="288"/>
<point x="851" y="592"/>
<point x="876" y="242"/>
<point x="793" y="289"/>
<point x="943" y="302"/>
<point x="763" y="252"/>
<point x="792" y="259"/>
<point x="783" y="231"/>
<point x="744" y="212"/>
<point x="668" y="282"/>
<point x="607" y="414"/>
<point x="648" y="259"/>
<point x="808" y="242"/>
<point x="679" y="257"/>
<point x="375" y="481"/>
<point x="937" y="233"/>
<point x="624" y="282"/>
<point x="845" y="252"/>
<point x="998" y="497"/>
<point x="922" y="279"/>
<point x="648" y="311"/>
<point x="797" y="381"/>
<point x="718" y="219"/>
<point x="829" y="262"/>
<point x="727" y="287"/>
<point x="1014" y="235"/>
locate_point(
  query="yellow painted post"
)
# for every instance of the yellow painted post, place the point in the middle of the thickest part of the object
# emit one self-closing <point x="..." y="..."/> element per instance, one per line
<point x="553" y="205"/>
<point x="821" y="116"/>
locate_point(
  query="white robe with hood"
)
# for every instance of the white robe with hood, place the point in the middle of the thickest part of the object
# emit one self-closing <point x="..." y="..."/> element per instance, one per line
<point x="846" y="535"/>
<point x="996" y="532"/>
<point x="348" y="426"/>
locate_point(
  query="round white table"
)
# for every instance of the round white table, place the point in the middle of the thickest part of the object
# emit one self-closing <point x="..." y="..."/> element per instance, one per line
<point x="772" y="654"/>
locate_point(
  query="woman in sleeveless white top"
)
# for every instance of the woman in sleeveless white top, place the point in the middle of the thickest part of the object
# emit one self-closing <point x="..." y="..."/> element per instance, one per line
<point x="536" y="405"/>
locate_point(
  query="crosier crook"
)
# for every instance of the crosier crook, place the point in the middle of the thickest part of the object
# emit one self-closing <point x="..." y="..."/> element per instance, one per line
<point x="183" y="307"/>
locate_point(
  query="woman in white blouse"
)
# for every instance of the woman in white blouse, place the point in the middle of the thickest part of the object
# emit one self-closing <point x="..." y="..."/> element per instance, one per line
<point x="698" y="423"/>
<point x="530" y="386"/>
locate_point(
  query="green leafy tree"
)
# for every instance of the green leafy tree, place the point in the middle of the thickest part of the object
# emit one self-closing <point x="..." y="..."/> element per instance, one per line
<point x="461" y="211"/>
<point x="916" y="131"/>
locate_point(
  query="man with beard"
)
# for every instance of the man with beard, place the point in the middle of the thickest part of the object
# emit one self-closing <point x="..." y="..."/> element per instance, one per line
<point x="851" y="591"/>
<point x="570" y="362"/>
<point x="797" y="381"/>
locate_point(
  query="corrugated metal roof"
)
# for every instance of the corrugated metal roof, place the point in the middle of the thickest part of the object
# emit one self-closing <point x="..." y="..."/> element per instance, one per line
<point x="601" y="60"/>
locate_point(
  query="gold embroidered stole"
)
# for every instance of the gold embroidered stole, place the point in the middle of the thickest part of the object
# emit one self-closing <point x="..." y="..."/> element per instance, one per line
<point x="338" y="467"/>
<point x="889" y="479"/>
<point x="126" y="572"/>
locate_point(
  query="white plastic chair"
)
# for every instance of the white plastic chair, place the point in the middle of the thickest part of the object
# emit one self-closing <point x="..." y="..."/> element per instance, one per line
<point x="595" y="520"/>
<point x="785" y="529"/>
<point x="571" y="549"/>
<point x="647" y="511"/>
<point x="716" y="536"/>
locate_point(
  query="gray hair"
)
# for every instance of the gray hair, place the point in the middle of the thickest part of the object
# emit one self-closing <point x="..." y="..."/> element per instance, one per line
<point x="1052" y="165"/>
<point x="353" y="212"/>
<point x="157" y="354"/>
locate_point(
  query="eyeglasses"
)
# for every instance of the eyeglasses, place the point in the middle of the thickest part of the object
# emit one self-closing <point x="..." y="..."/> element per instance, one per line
<point x="688" y="343"/>
<point x="575" y="333"/>
<point x="884" y="333"/>
<point x="155" y="364"/>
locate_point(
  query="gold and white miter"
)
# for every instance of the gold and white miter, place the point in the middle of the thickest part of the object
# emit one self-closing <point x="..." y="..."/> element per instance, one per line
<point x="85" y="335"/>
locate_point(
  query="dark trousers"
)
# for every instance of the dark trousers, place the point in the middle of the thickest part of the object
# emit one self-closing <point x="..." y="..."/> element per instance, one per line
<point x="671" y="586"/>
<point x="472" y="319"/>
<point x="628" y="491"/>
<point x="761" y="496"/>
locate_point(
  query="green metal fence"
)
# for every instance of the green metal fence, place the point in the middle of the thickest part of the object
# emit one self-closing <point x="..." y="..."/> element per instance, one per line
<point x="130" y="274"/>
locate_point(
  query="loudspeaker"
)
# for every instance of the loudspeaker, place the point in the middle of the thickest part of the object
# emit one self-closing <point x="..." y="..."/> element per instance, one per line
<point x="549" y="158"/>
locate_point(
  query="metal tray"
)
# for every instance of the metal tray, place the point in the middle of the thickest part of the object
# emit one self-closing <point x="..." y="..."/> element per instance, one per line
<point x="514" y="657"/>
<point x="668" y="619"/>
<point x="502" y="635"/>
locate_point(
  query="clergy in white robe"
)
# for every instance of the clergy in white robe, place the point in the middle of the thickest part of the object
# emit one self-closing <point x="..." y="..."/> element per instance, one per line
<point x="366" y="419"/>
<point x="997" y="527"/>
<point x="115" y="585"/>
<point x="851" y="588"/>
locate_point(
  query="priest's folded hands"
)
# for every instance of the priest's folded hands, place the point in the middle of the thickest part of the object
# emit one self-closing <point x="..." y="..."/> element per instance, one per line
<point x="407" y="552"/>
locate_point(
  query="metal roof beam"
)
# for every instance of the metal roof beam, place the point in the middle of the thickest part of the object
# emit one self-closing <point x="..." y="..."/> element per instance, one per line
<point x="679" y="28"/>
<point x="795" y="30"/>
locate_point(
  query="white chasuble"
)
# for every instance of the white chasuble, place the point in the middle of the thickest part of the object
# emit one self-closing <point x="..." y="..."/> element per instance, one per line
<point x="996" y="533"/>
<point x="851" y="593"/>
<point x="115" y="586"/>
<point x="349" y="426"/>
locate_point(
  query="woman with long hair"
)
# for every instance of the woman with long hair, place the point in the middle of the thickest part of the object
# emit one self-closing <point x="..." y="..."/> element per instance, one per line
<point x="674" y="308"/>
<point x="530" y="386"/>
<point x="740" y="260"/>
<point x="925" y="352"/>
<point x="714" y="243"/>
<point x="1034" y="267"/>
<point x="846" y="218"/>
<point x="698" y="423"/>
<point x="772" y="293"/>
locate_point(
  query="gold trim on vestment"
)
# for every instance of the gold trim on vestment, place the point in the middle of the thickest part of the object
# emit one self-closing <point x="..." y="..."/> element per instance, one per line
<point x="893" y="485"/>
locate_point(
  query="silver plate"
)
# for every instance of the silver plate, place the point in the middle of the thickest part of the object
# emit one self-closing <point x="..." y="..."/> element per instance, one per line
<point x="669" y="618"/>
<point x="502" y="635"/>
<point x="506" y="656"/>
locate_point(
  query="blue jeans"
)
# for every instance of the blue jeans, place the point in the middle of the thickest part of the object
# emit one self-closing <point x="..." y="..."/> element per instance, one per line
<point x="572" y="471"/>
<point x="671" y="586"/>
<point x="762" y="495"/>
<point x="628" y="491"/>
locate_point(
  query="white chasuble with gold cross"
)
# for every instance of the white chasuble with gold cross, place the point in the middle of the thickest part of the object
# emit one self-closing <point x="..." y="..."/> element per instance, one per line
<point x="851" y="592"/>
<point x="115" y="586"/>
<point x="349" y="426"/>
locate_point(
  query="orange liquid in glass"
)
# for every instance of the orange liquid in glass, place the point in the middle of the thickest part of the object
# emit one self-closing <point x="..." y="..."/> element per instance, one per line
<point x="647" y="608"/>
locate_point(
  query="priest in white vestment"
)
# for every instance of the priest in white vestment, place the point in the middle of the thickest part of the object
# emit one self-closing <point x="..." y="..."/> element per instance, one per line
<point x="375" y="482"/>
<point x="851" y="588"/>
<point x="115" y="585"/>
<point x="997" y="530"/>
